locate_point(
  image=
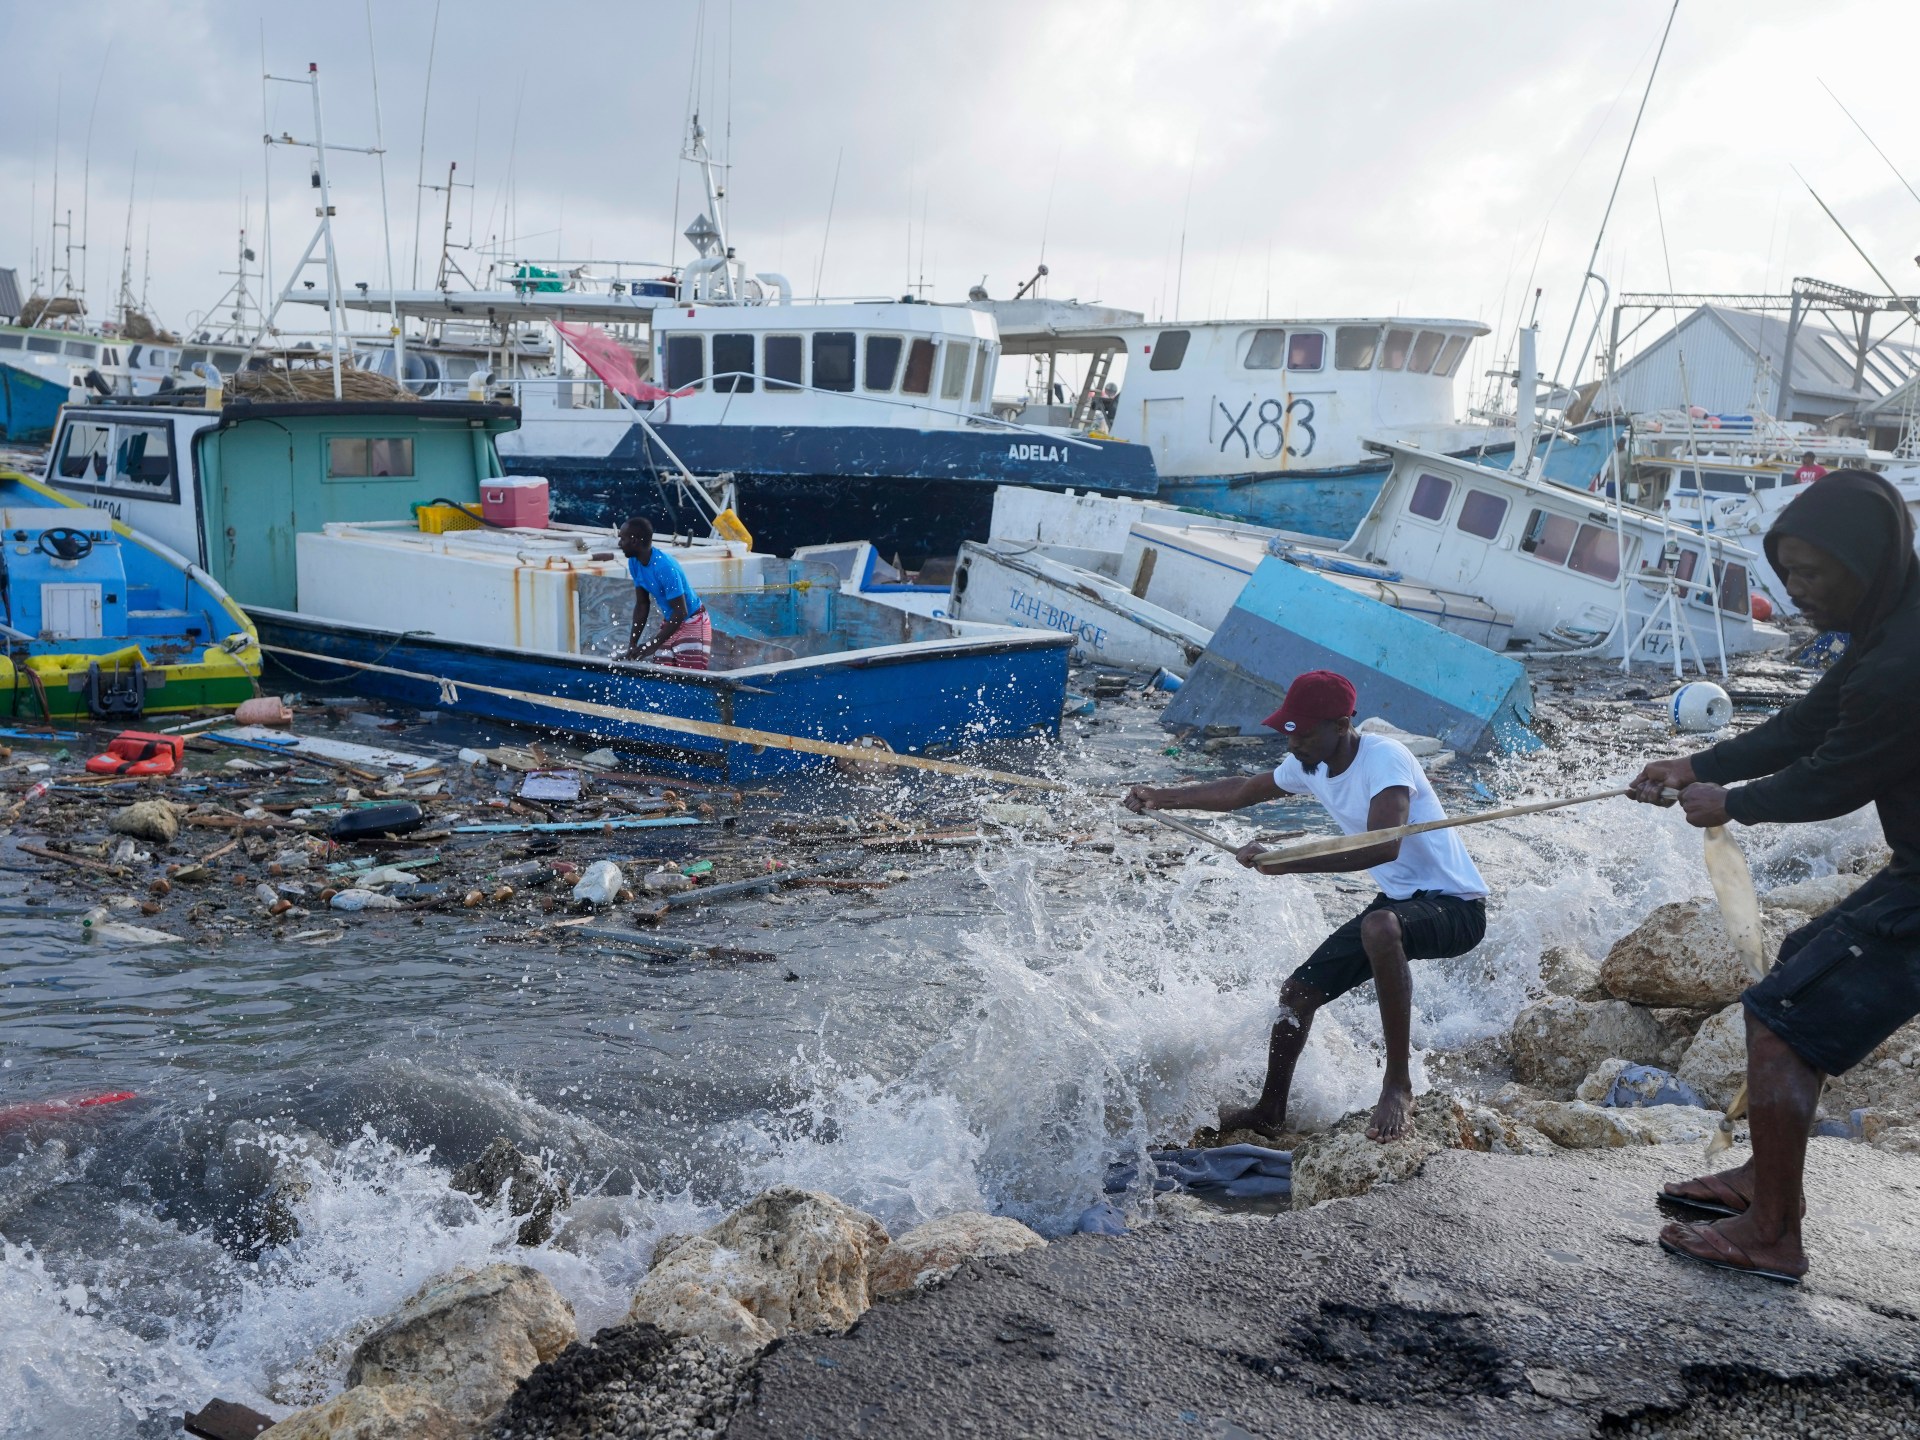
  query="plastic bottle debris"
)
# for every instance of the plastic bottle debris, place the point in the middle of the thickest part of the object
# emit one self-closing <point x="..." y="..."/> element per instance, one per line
<point x="666" y="882"/>
<point x="357" y="899"/>
<point x="600" y="884"/>
<point x="95" y="925"/>
<point x="35" y="791"/>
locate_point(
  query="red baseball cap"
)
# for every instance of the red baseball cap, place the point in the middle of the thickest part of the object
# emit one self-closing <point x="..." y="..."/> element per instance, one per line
<point x="1315" y="696"/>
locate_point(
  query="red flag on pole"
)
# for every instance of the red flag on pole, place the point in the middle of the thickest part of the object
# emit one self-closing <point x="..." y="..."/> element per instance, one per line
<point x="607" y="358"/>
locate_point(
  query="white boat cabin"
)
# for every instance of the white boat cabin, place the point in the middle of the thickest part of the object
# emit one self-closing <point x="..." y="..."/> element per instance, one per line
<point x="1220" y="398"/>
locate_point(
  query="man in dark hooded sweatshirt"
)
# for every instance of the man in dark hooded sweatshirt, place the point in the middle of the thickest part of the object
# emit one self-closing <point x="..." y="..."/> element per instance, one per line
<point x="1851" y="977"/>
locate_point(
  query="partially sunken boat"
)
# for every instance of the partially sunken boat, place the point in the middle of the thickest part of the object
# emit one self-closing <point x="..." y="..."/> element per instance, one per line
<point x="327" y="520"/>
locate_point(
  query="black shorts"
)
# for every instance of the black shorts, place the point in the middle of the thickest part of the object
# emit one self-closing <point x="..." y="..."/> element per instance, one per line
<point x="1847" y="979"/>
<point x="1433" y="926"/>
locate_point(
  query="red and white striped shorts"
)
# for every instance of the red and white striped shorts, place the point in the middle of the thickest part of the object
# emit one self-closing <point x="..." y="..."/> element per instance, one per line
<point x="691" y="647"/>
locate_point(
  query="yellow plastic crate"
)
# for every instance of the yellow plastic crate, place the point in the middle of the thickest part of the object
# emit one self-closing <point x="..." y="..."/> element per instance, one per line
<point x="438" y="519"/>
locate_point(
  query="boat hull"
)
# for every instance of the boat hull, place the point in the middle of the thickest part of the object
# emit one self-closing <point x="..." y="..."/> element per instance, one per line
<point x="913" y="493"/>
<point x="926" y="697"/>
<point x="1331" y="504"/>
<point x="29" y="406"/>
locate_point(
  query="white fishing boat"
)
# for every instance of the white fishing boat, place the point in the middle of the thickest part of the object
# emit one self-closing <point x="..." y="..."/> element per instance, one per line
<point x="1144" y="585"/>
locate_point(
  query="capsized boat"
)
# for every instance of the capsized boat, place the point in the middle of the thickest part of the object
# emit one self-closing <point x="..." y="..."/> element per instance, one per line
<point x="328" y="520"/>
<point x="100" y="621"/>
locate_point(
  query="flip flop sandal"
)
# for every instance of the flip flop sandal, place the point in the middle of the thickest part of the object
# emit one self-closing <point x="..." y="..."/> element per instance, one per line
<point x="1732" y="1257"/>
<point x="1717" y="1206"/>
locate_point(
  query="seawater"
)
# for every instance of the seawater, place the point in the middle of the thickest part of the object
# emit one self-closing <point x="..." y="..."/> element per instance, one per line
<point x="991" y="1034"/>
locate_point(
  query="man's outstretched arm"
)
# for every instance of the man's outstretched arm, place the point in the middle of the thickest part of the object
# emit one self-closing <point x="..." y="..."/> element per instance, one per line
<point x="1236" y="792"/>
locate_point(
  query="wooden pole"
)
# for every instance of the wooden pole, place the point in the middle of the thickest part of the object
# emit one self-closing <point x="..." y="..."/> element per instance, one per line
<point x="1344" y="844"/>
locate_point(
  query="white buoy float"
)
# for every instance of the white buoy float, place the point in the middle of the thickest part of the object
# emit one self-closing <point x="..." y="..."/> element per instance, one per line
<point x="1701" y="705"/>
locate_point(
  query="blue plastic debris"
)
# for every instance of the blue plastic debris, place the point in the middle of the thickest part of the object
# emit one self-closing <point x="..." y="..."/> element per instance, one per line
<point x="1638" y="1086"/>
<point x="1101" y="1218"/>
<point x="1235" y="1172"/>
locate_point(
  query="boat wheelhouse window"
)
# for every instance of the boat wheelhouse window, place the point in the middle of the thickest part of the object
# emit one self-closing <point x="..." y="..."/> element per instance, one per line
<point x="365" y="459"/>
<point x="1734" y="598"/>
<point x="1306" y="350"/>
<point x="80" y="350"/>
<point x="110" y="355"/>
<point x="1450" y="354"/>
<point x="42" y="344"/>
<point x="1596" y="552"/>
<point x="833" y="360"/>
<point x="1354" y="346"/>
<point x="783" y="355"/>
<point x="1169" y="350"/>
<point x="1424" y="350"/>
<point x="1549" y="537"/>
<point x="1482" y="514"/>
<point x="190" y="358"/>
<point x="1430" y="497"/>
<point x="10" y="342"/>
<point x="143" y="456"/>
<point x="733" y="364"/>
<point x="919" y="377"/>
<point x="1394" y="356"/>
<point x="883" y="361"/>
<point x="686" y="361"/>
<point x="1268" y="350"/>
<point x="953" y="372"/>
<point x="980" y="369"/>
<point x="84" y="455"/>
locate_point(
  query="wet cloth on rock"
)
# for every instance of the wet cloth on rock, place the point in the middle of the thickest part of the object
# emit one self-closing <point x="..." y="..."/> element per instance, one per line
<point x="1638" y="1086"/>
<point x="1232" y="1172"/>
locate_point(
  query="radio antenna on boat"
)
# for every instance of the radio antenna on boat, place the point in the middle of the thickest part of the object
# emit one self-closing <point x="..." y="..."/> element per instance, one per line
<point x="420" y="174"/>
<point x="1868" y="259"/>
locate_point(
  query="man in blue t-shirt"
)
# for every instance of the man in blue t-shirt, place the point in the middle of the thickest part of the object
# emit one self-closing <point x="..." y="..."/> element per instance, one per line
<point x="685" y="637"/>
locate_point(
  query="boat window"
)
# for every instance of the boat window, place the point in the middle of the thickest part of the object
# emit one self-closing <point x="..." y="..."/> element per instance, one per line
<point x="782" y="354"/>
<point x="1430" y="497"/>
<point x="1169" y="349"/>
<point x="9" y="342"/>
<point x="191" y="358"/>
<point x="1549" y="536"/>
<point x="686" y="361"/>
<point x="1482" y="514"/>
<point x="1424" y="350"/>
<point x="953" y="373"/>
<point x="883" y="361"/>
<point x="1765" y="480"/>
<point x="1354" y="346"/>
<point x="1268" y="350"/>
<point x="1394" y="356"/>
<point x="833" y="360"/>
<point x="83" y="351"/>
<point x="919" y="377"/>
<point x="1725" y="482"/>
<point x="110" y="355"/>
<point x="84" y="455"/>
<point x="1306" y="350"/>
<point x="364" y="459"/>
<point x="43" y="345"/>
<point x="1596" y="552"/>
<point x="1450" y="354"/>
<point x="1734" y="598"/>
<point x="143" y="456"/>
<point x="733" y="364"/>
<point x="980" y="368"/>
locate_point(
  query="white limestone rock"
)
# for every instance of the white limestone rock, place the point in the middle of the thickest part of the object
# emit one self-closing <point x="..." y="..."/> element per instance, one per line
<point x="931" y="1252"/>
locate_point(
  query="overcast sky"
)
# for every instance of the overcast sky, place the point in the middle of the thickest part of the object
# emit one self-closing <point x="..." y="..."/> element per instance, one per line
<point x="1367" y="156"/>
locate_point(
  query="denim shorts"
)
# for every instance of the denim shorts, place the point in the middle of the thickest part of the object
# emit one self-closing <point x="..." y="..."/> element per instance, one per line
<point x="1848" y="978"/>
<point x="1433" y="926"/>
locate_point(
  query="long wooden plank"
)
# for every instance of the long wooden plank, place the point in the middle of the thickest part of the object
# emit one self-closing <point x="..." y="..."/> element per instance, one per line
<point x="1343" y="844"/>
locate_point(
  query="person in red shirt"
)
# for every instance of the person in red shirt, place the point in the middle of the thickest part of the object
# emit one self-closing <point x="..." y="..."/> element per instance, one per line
<point x="1810" y="470"/>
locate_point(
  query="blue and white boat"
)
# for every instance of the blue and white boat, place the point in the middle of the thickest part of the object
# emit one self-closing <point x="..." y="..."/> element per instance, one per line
<point x="321" y="519"/>
<point x="869" y="417"/>
<point x="1265" y="420"/>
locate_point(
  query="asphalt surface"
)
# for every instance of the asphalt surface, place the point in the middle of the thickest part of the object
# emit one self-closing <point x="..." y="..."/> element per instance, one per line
<point x="1488" y="1296"/>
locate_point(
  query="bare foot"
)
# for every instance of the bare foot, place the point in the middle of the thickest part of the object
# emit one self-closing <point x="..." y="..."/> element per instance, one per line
<point x="1392" y="1117"/>
<point x="1252" y="1118"/>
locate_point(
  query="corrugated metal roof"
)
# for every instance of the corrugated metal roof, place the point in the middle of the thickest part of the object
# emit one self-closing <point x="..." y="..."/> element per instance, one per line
<point x="1823" y="358"/>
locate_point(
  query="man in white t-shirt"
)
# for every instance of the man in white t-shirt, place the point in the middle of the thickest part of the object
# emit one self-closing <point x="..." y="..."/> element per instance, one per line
<point x="1432" y="902"/>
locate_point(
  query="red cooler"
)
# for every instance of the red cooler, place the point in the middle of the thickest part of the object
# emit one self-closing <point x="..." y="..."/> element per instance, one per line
<point x="516" y="500"/>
